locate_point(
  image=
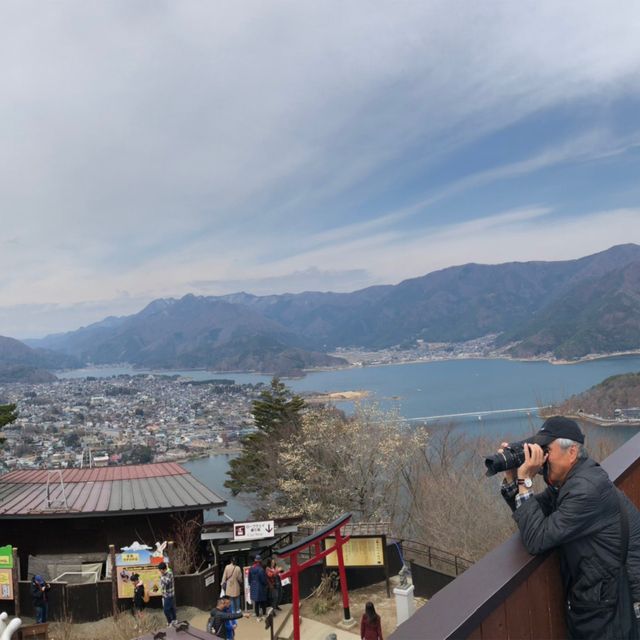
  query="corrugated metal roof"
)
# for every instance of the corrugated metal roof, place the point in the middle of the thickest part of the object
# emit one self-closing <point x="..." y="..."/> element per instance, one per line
<point x="105" y="491"/>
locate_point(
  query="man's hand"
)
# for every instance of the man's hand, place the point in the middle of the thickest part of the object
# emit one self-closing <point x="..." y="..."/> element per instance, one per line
<point x="534" y="459"/>
<point x="509" y="474"/>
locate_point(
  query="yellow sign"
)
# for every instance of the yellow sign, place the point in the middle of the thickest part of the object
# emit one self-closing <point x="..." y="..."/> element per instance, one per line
<point x="6" y="584"/>
<point x="358" y="552"/>
<point x="131" y="558"/>
<point x="148" y="574"/>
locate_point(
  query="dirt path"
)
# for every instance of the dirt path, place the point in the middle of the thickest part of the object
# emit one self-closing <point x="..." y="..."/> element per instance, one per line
<point x="377" y="593"/>
<point x="125" y="627"/>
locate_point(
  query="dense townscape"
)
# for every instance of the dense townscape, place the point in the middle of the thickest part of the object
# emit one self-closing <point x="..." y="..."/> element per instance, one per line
<point x="423" y="351"/>
<point x="138" y="418"/>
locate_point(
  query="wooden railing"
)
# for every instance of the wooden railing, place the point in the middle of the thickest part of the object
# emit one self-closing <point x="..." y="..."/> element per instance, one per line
<point x="510" y="594"/>
<point x="434" y="558"/>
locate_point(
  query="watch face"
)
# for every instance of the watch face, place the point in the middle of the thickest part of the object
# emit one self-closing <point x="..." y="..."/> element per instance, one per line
<point x="528" y="483"/>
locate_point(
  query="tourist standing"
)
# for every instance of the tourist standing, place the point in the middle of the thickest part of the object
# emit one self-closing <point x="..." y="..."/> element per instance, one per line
<point x="168" y="590"/>
<point x="138" y="594"/>
<point x="232" y="583"/>
<point x="40" y="598"/>
<point x="258" y="587"/>
<point x="275" y="583"/>
<point x="370" y="627"/>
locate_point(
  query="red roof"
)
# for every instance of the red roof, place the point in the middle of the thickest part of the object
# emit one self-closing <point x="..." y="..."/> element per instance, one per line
<point x="105" y="491"/>
<point x="104" y="474"/>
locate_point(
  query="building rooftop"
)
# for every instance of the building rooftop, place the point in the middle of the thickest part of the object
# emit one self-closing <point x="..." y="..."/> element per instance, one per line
<point x="108" y="491"/>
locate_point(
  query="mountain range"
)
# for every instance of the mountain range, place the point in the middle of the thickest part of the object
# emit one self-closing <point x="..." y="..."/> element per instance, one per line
<point x="20" y="363"/>
<point x="564" y="309"/>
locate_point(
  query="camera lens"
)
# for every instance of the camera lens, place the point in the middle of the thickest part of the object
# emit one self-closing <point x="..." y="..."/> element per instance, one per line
<point x="511" y="457"/>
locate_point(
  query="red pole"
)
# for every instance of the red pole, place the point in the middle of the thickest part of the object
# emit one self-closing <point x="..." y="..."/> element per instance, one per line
<point x="343" y="576"/>
<point x="295" y="595"/>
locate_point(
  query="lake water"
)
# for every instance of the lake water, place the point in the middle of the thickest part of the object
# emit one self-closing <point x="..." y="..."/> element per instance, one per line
<point x="433" y="389"/>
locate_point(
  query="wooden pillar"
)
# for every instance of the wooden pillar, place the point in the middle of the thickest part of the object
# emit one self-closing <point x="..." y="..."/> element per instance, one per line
<point x="343" y="576"/>
<point x="114" y="580"/>
<point x="15" y="576"/>
<point x="295" y="595"/>
<point x="171" y="555"/>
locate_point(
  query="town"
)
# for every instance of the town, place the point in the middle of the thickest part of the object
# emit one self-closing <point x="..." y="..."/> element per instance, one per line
<point x="422" y="351"/>
<point x="123" y="419"/>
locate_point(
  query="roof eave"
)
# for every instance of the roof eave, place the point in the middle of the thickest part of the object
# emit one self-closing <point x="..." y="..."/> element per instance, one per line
<point x="108" y="514"/>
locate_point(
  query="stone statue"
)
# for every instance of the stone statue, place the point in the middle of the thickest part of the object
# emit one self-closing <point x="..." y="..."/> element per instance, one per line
<point x="405" y="576"/>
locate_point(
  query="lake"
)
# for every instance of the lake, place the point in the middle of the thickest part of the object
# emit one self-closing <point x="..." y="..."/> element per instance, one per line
<point x="432" y="389"/>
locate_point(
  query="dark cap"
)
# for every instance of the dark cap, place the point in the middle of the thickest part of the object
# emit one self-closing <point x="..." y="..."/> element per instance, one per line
<point x="557" y="427"/>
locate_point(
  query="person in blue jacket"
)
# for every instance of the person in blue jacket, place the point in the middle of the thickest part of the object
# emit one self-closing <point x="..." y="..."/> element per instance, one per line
<point x="258" y="587"/>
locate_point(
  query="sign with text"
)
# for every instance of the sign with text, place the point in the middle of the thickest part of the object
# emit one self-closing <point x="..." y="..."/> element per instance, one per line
<point x="133" y="558"/>
<point x="6" y="557"/>
<point x="209" y="576"/>
<point x="253" y="530"/>
<point x="6" y="584"/>
<point x="358" y="552"/>
<point x="247" y="586"/>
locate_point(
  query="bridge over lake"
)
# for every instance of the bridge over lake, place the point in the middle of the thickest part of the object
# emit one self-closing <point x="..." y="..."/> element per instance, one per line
<point x="479" y="414"/>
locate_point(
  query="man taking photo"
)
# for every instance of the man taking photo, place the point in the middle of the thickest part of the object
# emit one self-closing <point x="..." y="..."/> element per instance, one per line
<point x="594" y="525"/>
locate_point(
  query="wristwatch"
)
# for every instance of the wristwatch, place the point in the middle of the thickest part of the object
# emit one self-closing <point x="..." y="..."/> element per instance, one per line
<point x="527" y="482"/>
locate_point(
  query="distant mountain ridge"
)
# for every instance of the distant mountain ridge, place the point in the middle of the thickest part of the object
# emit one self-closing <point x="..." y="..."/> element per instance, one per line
<point x="20" y="363"/>
<point x="566" y="309"/>
<point x="193" y="332"/>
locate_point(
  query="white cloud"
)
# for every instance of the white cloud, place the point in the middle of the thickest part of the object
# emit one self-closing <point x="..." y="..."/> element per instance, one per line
<point x="149" y="145"/>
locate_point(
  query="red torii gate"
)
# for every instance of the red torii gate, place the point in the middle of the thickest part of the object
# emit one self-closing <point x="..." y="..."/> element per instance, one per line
<point x="315" y="540"/>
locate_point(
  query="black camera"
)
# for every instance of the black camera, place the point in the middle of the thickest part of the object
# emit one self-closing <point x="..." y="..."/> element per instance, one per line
<point x="512" y="457"/>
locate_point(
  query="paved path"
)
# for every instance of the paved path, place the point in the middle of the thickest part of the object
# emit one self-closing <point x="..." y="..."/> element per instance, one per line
<point x="251" y="629"/>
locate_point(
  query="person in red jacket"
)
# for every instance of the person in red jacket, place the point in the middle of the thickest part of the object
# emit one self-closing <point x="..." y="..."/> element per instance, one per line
<point x="370" y="627"/>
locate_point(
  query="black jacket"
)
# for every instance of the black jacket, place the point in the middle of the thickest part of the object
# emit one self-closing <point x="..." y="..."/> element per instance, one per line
<point x="582" y="519"/>
<point x="218" y="619"/>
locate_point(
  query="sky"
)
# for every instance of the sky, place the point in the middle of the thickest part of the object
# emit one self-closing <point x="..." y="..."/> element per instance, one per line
<point x="153" y="148"/>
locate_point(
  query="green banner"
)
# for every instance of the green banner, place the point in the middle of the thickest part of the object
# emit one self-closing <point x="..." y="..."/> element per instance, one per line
<point x="6" y="557"/>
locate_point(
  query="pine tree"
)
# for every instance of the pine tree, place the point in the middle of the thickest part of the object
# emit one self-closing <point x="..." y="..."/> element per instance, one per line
<point x="277" y="415"/>
<point x="7" y="416"/>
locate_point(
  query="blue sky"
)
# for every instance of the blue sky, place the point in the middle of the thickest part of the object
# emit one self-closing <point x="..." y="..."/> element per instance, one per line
<point x="152" y="149"/>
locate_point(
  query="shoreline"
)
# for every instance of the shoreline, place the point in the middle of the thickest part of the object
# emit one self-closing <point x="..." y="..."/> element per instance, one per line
<point x="353" y="365"/>
<point x="338" y="396"/>
<point x="594" y="420"/>
<point x="553" y="361"/>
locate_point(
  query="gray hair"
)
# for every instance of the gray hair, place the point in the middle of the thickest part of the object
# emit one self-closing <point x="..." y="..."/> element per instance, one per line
<point x="565" y="443"/>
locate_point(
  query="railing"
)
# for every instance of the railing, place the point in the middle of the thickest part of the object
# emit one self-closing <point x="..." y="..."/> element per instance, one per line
<point x="509" y="593"/>
<point x="438" y="559"/>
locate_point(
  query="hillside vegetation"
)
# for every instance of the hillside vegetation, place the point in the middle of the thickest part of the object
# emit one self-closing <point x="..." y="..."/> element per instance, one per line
<point x="616" y="392"/>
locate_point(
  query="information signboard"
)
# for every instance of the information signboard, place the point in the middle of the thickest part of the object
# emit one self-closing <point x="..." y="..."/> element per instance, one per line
<point x="6" y="557"/>
<point x="149" y="575"/>
<point x="6" y="584"/>
<point x="358" y="552"/>
<point x="253" y="530"/>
